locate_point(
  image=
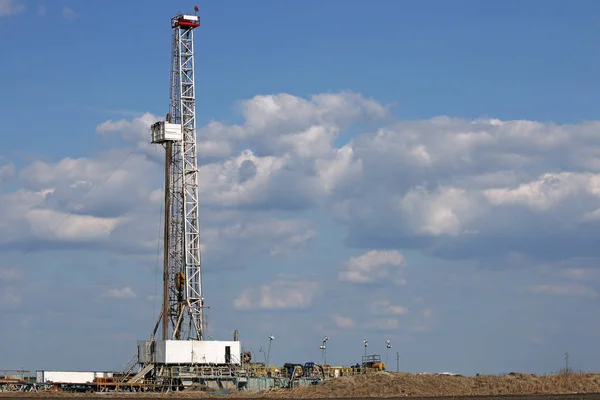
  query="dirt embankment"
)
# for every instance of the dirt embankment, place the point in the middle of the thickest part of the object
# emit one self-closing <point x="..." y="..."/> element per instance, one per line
<point x="386" y="384"/>
<point x="398" y="385"/>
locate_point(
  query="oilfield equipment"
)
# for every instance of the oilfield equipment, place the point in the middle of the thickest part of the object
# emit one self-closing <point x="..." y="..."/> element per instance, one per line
<point x="182" y="356"/>
<point x="179" y="356"/>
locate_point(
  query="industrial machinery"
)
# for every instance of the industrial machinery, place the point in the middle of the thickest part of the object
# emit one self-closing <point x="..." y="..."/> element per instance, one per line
<point x="373" y="361"/>
<point x="181" y="356"/>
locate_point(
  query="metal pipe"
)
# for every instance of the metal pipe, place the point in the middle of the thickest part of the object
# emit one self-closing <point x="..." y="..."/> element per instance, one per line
<point x="167" y="244"/>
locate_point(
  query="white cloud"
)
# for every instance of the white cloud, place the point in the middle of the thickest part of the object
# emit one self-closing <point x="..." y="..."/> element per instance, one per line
<point x="9" y="298"/>
<point x="269" y="115"/>
<point x="7" y="171"/>
<point x="10" y="7"/>
<point x="372" y="266"/>
<point x="10" y="274"/>
<point x="580" y="273"/>
<point x="447" y="211"/>
<point x="49" y="224"/>
<point x="224" y="183"/>
<point x="266" y="235"/>
<point x="115" y="293"/>
<point x="453" y="188"/>
<point x="68" y="13"/>
<point x="286" y="292"/>
<point x="343" y="322"/>
<point x="563" y="289"/>
<point x="410" y="183"/>
<point x="462" y="189"/>
<point x="137" y="129"/>
<point x="386" y="308"/>
<point x="548" y="191"/>
<point x="385" y="324"/>
<point x="418" y="327"/>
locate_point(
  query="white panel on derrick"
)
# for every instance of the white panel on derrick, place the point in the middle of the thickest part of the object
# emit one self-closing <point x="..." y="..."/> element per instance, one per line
<point x="163" y="131"/>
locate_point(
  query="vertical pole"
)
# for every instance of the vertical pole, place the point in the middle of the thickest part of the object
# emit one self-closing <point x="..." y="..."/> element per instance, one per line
<point x="397" y="362"/>
<point x="387" y="351"/>
<point x="388" y="346"/>
<point x="167" y="243"/>
<point x="269" y="350"/>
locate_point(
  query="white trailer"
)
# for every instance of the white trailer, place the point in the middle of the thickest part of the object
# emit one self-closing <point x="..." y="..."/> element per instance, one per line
<point x="80" y="377"/>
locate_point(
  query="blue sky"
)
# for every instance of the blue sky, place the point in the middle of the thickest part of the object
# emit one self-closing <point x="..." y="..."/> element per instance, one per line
<point x="426" y="172"/>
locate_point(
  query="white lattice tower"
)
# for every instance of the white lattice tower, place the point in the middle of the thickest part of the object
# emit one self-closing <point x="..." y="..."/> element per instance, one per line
<point x="182" y="314"/>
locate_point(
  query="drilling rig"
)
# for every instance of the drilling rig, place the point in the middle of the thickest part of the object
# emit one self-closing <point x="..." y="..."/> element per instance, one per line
<point x="181" y="355"/>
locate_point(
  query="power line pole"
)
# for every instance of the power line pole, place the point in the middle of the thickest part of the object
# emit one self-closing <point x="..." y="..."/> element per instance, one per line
<point x="397" y="362"/>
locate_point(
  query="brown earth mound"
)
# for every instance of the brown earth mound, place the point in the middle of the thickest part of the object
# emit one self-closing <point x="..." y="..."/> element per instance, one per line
<point x="385" y="384"/>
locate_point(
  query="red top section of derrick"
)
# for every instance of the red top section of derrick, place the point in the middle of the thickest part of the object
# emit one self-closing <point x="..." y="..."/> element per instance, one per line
<point x="186" y="21"/>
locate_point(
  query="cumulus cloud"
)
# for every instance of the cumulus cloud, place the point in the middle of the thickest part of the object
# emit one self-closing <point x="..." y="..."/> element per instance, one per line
<point x="9" y="299"/>
<point x="580" y="273"/>
<point x="250" y="181"/>
<point x="343" y="322"/>
<point x="136" y="129"/>
<point x="116" y="293"/>
<point x="93" y="202"/>
<point x="452" y="188"/>
<point x="462" y="189"/>
<point x="69" y="227"/>
<point x="548" y="191"/>
<point x="113" y="202"/>
<point x="385" y="324"/>
<point x="305" y="126"/>
<point x="386" y="308"/>
<point x="68" y="13"/>
<point x="269" y="236"/>
<point x="286" y="292"/>
<point x="10" y="274"/>
<point x="372" y="266"/>
<point x="563" y="289"/>
<point x="10" y="7"/>
<point x="7" y="171"/>
<point x="446" y="211"/>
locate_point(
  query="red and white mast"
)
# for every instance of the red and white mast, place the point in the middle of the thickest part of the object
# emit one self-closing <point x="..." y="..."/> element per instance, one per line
<point x="182" y="315"/>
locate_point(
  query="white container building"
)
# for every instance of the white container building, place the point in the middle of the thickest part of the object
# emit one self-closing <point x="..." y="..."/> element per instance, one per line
<point x="81" y="377"/>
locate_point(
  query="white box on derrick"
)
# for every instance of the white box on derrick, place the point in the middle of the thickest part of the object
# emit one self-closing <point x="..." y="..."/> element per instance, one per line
<point x="188" y="352"/>
<point x="163" y="131"/>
